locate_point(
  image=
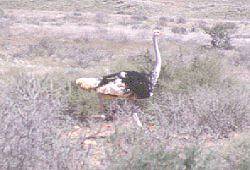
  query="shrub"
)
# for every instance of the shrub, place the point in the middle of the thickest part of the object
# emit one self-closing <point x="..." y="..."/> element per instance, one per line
<point x="236" y="152"/>
<point x="135" y="148"/>
<point x="86" y="57"/>
<point x="120" y="37"/>
<point x="145" y="149"/>
<point x="163" y="21"/>
<point x="195" y="98"/>
<point x="144" y="61"/>
<point x="45" y="47"/>
<point x="200" y="72"/>
<point x="139" y="17"/>
<point x="157" y="159"/>
<point x="74" y="51"/>
<point x="34" y="134"/>
<point x="220" y="34"/>
<point x="179" y="30"/>
<point x="181" y="20"/>
<point x="216" y="113"/>
<point x="81" y="103"/>
<point x="179" y="76"/>
<point x="77" y="14"/>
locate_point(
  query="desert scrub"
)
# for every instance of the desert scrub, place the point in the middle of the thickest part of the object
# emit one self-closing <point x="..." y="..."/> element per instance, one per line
<point x="220" y="34"/>
<point x="158" y="159"/>
<point x="73" y="50"/>
<point x="44" y="47"/>
<point x="236" y="152"/>
<point x="194" y="98"/>
<point x="139" y="17"/>
<point x="205" y="111"/>
<point x="81" y="103"/>
<point x="144" y="149"/>
<point x="181" y="20"/>
<point x="144" y="61"/>
<point x="163" y="21"/>
<point x="179" y="30"/>
<point x="34" y="132"/>
<point x="118" y="37"/>
<point x="180" y="76"/>
<point x="199" y="73"/>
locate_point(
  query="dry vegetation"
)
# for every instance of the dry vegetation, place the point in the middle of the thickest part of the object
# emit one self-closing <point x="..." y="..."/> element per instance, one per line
<point x="198" y="118"/>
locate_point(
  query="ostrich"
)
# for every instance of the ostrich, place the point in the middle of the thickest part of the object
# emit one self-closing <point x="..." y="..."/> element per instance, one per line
<point x="125" y="84"/>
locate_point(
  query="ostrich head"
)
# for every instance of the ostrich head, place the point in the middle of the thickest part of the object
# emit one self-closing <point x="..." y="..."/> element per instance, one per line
<point x="156" y="33"/>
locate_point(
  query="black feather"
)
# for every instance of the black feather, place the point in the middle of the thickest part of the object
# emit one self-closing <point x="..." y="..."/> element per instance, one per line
<point x="135" y="82"/>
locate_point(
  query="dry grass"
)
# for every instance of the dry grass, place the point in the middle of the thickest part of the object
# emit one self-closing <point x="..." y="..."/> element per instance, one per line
<point x="192" y="110"/>
<point x="177" y="123"/>
<point x="198" y="117"/>
<point x="34" y="132"/>
<point x="233" y="154"/>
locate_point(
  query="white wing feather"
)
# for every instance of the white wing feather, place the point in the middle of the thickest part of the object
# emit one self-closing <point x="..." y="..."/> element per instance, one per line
<point x="116" y="88"/>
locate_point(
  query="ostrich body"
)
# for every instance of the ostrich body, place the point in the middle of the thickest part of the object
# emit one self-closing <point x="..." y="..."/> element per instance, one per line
<point x="125" y="84"/>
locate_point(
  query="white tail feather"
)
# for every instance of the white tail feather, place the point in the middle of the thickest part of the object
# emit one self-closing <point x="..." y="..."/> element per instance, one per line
<point x="88" y="83"/>
<point x="112" y="88"/>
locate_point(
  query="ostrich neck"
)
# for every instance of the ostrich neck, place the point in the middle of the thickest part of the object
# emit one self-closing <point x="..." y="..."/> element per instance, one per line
<point x="157" y="66"/>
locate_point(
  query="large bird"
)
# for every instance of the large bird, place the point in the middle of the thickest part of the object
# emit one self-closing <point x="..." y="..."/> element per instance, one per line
<point x="125" y="84"/>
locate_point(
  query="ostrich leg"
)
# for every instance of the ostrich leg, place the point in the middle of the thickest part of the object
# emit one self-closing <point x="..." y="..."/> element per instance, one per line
<point x="101" y="106"/>
<point x="135" y="113"/>
<point x="102" y="109"/>
<point x="136" y="119"/>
